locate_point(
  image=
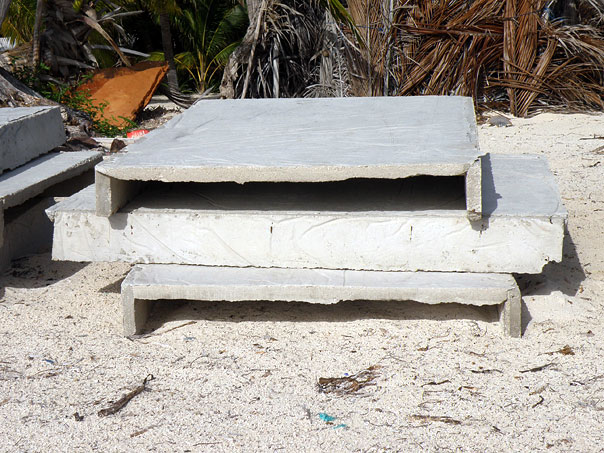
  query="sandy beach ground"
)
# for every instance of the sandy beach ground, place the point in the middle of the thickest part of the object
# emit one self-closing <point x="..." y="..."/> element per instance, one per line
<point x="244" y="376"/>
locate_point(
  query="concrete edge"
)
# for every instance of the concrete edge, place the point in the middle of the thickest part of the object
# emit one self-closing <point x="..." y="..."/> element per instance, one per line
<point x="136" y="295"/>
<point x="43" y="184"/>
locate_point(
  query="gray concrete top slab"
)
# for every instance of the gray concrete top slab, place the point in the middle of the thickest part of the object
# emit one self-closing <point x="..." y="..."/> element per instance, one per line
<point x="306" y="140"/>
<point x="28" y="132"/>
<point x="33" y="178"/>
<point x="515" y="186"/>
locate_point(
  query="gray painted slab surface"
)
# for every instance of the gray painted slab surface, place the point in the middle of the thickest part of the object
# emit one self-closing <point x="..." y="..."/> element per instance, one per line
<point x="306" y="140"/>
<point x="33" y="178"/>
<point x="154" y="282"/>
<point x="28" y="132"/>
<point x="337" y="225"/>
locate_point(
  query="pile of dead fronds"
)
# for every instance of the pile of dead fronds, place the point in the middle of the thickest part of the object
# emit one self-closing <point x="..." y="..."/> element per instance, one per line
<point x="515" y="53"/>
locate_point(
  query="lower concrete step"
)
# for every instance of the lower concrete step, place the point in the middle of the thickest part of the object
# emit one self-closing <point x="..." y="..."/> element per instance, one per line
<point x="30" y="180"/>
<point x="162" y="281"/>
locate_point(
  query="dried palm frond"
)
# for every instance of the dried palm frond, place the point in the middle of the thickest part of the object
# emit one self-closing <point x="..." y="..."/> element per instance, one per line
<point x="513" y="48"/>
<point x="373" y="19"/>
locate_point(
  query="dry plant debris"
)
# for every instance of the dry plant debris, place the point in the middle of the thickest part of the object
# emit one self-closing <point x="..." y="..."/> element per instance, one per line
<point x="349" y="384"/>
<point x="500" y="52"/>
<point x="565" y="350"/>
<point x="436" y="418"/>
<point x="537" y="368"/>
<point x="118" y="405"/>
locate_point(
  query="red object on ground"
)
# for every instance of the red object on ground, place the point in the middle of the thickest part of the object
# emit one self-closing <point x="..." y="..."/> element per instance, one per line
<point x="125" y="91"/>
<point x="137" y="133"/>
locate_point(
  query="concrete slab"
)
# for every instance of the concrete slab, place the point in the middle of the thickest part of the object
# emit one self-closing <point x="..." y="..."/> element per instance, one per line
<point x="408" y="225"/>
<point x="155" y="282"/>
<point x="28" y="132"/>
<point x="36" y="176"/>
<point x="302" y="140"/>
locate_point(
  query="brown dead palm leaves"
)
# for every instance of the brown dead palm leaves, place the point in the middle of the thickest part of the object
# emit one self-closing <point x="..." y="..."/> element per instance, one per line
<point x="500" y="51"/>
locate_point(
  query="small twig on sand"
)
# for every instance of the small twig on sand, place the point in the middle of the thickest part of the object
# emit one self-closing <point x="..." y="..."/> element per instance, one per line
<point x="165" y="331"/>
<point x="436" y="418"/>
<point x="486" y="371"/>
<point x="142" y="431"/>
<point x="119" y="404"/>
<point x="541" y="400"/>
<point x="537" y="368"/>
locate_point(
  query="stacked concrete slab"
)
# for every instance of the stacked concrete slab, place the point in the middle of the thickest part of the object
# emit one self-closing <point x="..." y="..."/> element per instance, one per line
<point x="317" y="200"/>
<point x="31" y="175"/>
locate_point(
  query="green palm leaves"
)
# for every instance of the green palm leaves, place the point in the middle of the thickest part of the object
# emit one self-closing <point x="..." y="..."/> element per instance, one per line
<point x="211" y="29"/>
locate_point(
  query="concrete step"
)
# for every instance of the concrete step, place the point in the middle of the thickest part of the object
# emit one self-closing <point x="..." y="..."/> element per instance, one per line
<point x="19" y="185"/>
<point x="302" y="140"/>
<point x="155" y="282"/>
<point x="28" y="132"/>
<point x="401" y="226"/>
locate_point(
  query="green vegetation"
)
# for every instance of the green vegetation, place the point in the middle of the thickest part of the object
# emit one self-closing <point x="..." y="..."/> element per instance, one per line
<point x="211" y="30"/>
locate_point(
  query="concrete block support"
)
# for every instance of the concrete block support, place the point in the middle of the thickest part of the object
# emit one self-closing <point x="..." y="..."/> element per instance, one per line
<point x="28" y="132"/>
<point x="305" y="140"/>
<point x="474" y="191"/>
<point x="113" y="193"/>
<point x="510" y="313"/>
<point x="156" y="282"/>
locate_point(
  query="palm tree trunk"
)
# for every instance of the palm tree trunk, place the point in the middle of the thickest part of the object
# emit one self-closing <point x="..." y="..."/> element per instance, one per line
<point x="4" y="4"/>
<point x="166" y="37"/>
<point x="40" y="7"/>
<point x="241" y="54"/>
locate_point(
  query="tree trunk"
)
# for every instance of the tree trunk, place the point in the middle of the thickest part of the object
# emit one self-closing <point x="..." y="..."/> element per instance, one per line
<point x="40" y="7"/>
<point x="4" y="4"/>
<point x="241" y="53"/>
<point x="166" y="38"/>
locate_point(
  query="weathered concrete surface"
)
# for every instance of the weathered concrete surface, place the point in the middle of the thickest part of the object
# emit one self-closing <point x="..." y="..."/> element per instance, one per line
<point x="305" y="140"/>
<point x="125" y="90"/>
<point x="155" y="282"/>
<point x="27" y="230"/>
<point x="34" y="177"/>
<point x="365" y="225"/>
<point x="28" y="132"/>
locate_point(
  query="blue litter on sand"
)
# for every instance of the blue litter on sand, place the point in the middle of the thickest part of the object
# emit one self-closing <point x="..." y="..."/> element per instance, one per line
<point x="341" y="425"/>
<point x="326" y="418"/>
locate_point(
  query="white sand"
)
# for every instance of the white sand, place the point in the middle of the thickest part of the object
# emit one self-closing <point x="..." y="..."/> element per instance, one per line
<point x="243" y="376"/>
